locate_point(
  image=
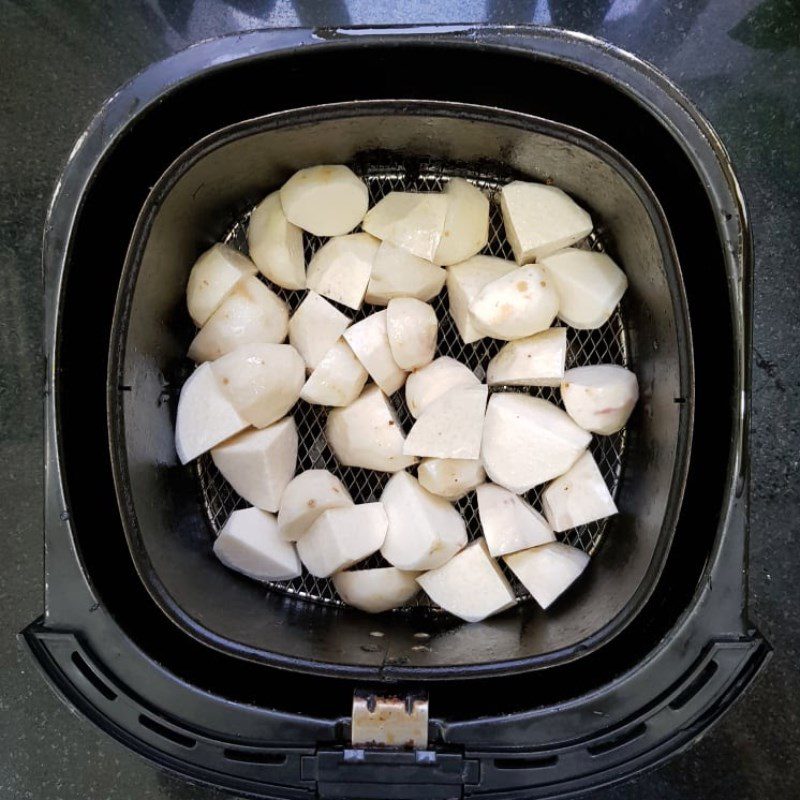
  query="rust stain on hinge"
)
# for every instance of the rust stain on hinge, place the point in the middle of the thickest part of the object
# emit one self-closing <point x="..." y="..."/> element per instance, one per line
<point x="390" y="721"/>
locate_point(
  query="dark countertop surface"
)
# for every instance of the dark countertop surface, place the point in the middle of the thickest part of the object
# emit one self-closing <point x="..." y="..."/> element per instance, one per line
<point x="739" y="60"/>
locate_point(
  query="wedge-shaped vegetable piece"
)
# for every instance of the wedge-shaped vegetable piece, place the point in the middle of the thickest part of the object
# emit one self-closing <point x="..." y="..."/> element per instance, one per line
<point x="337" y="380"/>
<point x="411" y="220"/>
<point x="341" y="268"/>
<point x="509" y="523"/>
<point x="589" y="286"/>
<point x="206" y="416"/>
<point x="369" y="340"/>
<point x="435" y="379"/>
<point x="541" y="219"/>
<point x="249" y="543"/>
<point x="340" y="537"/>
<point x="326" y="200"/>
<point x="412" y="328"/>
<point x="471" y="585"/>
<point x="276" y="245"/>
<point x="536" y="360"/>
<point x="451" y="478"/>
<point x="368" y="434"/>
<point x="252" y="312"/>
<point x="315" y="327"/>
<point x="548" y="571"/>
<point x="259" y="464"/>
<point x="578" y="497"/>
<point x="376" y="590"/>
<point x="527" y="441"/>
<point x="466" y="226"/>
<point x="424" y="531"/>
<point x="398" y="273"/>
<point x="262" y="381"/>
<point x="451" y="426"/>
<point x="600" y="398"/>
<point x="464" y="283"/>
<point x="213" y="277"/>
<point x="306" y="497"/>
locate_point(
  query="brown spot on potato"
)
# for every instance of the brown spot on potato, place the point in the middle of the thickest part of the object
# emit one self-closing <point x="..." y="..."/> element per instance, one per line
<point x="543" y="284"/>
<point x="225" y="381"/>
<point x="522" y="286"/>
<point x="312" y="503"/>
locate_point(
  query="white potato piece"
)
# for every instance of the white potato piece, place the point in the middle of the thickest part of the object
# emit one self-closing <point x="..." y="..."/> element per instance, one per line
<point x="252" y="312"/>
<point x="340" y="270"/>
<point x="578" y="497"/>
<point x="213" y="277"/>
<point x="412" y="328"/>
<point x="536" y="360"/>
<point x="305" y="497"/>
<point x="315" y="327"/>
<point x="424" y="531"/>
<point x="376" y="590"/>
<point x="464" y="283"/>
<point x="589" y="286"/>
<point x="368" y="434"/>
<point x="398" y="273"/>
<point x="369" y="340"/>
<point x="340" y="537"/>
<point x="527" y="441"/>
<point x="326" y="200"/>
<point x="466" y="226"/>
<point x="276" y="246"/>
<point x="600" y="398"/>
<point x="548" y="571"/>
<point x="262" y="381"/>
<point x="451" y="426"/>
<point x="260" y="464"/>
<point x="426" y="385"/>
<point x="337" y="380"/>
<point x="471" y="585"/>
<point x="518" y="304"/>
<point x="451" y="478"/>
<point x="508" y="522"/>
<point x="411" y="220"/>
<point x="249" y="543"/>
<point x="540" y="219"/>
<point x="205" y="417"/>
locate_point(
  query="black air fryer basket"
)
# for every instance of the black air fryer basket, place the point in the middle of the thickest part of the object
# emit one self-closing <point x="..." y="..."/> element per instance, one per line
<point x="277" y="691"/>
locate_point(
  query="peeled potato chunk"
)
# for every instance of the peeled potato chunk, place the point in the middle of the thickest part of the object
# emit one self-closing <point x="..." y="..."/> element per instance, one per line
<point x="527" y="441"/>
<point x="466" y="225"/>
<point x="412" y="328"/>
<point x="276" y="245"/>
<point x="369" y="340"/>
<point x="206" y="416"/>
<point x="471" y="585"/>
<point x="424" y="531"/>
<point x="315" y="327"/>
<point x="340" y="537"/>
<point x="305" y="497"/>
<point x="337" y="380"/>
<point x="540" y="219"/>
<point x="376" y="590"/>
<point x="435" y="379"/>
<point x="249" y="543"/>
<point x="411" y="220"/>
<point x="213" y="277"/>
<point x="589" y="286"/>
<point x="367" y="434"/>
<point x="399" y="273"/>
<point x="260" y="464"/>
<point x="548" y="571"/>
<point x="600" y="398"/>
<point x="252" y="312"/>
<point x="508" y="522"/>
<point x="326" y="200"/>
<point x="464" y="283"/>
<point x="340" y="270"/>
<point x="451" y="478"/>
<point x="262" y="381"/>
<point x="536" y="360"/>
<point x="578" y="497"/>
<point x="518" y="304"/>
